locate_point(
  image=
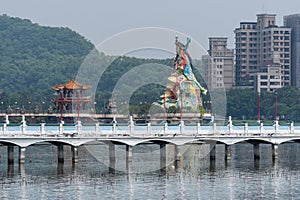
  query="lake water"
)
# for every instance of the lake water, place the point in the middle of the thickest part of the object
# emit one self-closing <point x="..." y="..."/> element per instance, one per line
<point x="195" y="177"/>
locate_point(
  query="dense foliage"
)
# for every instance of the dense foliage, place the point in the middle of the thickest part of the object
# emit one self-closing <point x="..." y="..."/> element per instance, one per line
<point x="243" y="104"/>
<point x="33" y="58"/>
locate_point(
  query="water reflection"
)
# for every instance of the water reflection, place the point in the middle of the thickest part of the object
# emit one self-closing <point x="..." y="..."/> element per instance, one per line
<point x="60" y="168"/>
<point x="10" y="170"/>
<point x="256" y="163"/>
<point x="21" y="169"/>
<point x="190" y="177"/>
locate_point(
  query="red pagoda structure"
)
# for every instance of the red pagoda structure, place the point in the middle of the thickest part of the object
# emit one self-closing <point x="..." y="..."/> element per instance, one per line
<point x="70" y="97"/>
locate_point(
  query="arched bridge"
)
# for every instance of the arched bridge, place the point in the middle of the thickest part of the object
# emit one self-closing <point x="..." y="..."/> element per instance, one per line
<point x="132" y="135"/>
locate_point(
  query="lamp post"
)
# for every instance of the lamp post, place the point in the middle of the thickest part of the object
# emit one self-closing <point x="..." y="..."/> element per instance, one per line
<point x="181" y="105"/>
<point x="258" y="106"/>
<point x="78" y="105"/>
<point x="43" y="107"/>
<point x="2" y="110"/>
<point x="29" y="106"/>
<point x="95" y="103"/>
<point x="275" y="110"/>
<point x="16" y="103"/>
<point x="165" y="117"/>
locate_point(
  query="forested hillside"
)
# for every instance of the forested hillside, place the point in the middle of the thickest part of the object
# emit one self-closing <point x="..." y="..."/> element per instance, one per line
<point x="33" y="58"/>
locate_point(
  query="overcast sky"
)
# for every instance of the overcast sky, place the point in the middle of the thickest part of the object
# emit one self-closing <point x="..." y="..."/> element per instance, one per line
<point x="97" y="20"/>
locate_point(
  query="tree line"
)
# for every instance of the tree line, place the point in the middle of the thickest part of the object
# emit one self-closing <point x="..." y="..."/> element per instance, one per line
<point x="285" y="103"/>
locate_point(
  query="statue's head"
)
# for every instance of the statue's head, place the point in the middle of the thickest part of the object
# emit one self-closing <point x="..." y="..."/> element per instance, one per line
<point x="179" y="46"/>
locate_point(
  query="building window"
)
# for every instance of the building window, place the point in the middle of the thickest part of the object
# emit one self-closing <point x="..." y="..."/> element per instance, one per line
<point x="264" y="83"/>
<point x="263" y="77"/>
<point x="274" y="83"/>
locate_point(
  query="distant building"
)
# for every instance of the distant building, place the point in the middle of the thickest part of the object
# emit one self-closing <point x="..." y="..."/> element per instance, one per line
<point x="259" y="43"/>
<point x="220" y="65"/>
<point x="269" y="78"/>
<point x="293" y="21"/>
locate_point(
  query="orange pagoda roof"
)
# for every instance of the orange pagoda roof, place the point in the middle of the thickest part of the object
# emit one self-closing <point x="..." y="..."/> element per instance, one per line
<point x="71" y="85"/>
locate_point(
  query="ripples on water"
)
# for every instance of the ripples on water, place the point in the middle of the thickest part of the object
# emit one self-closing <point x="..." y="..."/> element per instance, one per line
<point x="194" y="178"/>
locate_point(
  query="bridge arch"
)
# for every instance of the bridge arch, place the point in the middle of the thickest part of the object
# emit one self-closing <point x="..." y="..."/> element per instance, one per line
<point x="135" y="142"/>
<point x="259" y="140"/>
<point x="157" y="141"/>
<point x="168" y="141"/>
<point x="6" y="143"/>
<point x="230" y="141"/>
<point x="297" y="140"/>
<point x="52" y="142"/>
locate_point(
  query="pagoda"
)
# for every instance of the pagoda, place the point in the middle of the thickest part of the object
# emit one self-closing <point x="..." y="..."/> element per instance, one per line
<point x="71" y="96"/>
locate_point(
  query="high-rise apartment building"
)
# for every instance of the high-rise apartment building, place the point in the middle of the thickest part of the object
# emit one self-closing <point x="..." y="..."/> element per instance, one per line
<point x="257" y="45"/>
<point x="293" y="21"/>
<point x="219" y="71"/>
<point x="246" y="52"/>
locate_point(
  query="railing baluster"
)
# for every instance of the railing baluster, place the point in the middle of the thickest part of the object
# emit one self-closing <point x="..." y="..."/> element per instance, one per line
<point x="149" y="128"/>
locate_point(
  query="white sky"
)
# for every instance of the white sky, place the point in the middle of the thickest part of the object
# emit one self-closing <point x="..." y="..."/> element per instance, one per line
<point x="97" y="20"/>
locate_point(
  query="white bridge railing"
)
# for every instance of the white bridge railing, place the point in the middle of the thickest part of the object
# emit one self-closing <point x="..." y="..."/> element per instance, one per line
<point x="146" y="130"/>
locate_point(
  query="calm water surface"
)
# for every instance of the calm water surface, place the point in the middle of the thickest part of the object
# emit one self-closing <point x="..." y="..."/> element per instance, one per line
<point x="195" y="177"/>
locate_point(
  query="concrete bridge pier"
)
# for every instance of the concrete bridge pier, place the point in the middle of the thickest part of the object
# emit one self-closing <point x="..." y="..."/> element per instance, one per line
<point x="22" y="155"/>
<point x="60" y="153"/>
<point x="112" y="157"/>
<point x="129" y="167"/>
<point x="128" y="158"/>
<point x="10" y="169"/>
<point x="177" y="153"/>
<point x="60" y="168"/>
<point x="256" y="164"/>
<point x="274" y="151"/>
<point x="212" y="152"/>
<point x="74" y="151"/>
<point x="163" y="156"/>
<point x="212" y="156"/>
<point x="128" y="153"/>
<point x="10" y="154"/>
<point x="22" y="170"/>
<point x="227" y="152"/>
<point x="256" y="151"/>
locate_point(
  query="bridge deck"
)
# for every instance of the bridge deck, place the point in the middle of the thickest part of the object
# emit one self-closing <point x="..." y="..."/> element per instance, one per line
<point x="24" y="135"/>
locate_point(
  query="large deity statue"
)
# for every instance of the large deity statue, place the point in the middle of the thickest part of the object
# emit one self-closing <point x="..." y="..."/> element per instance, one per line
<point x="183" y="90"/>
